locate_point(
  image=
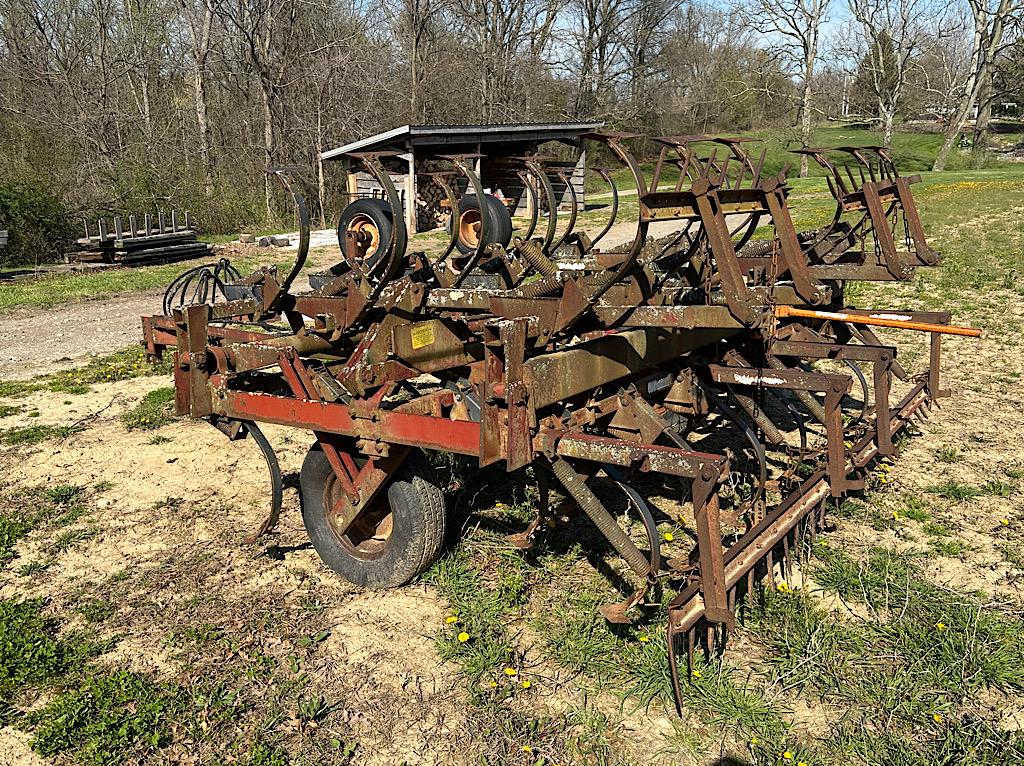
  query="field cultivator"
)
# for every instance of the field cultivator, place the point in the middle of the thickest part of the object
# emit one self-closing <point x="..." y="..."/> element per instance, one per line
<point x="720" y="365"/>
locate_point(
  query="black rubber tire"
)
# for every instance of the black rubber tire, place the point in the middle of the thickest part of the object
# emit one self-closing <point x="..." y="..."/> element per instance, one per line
<point x="379" y="212"/>
<point x="417" y="529"/>
<point x="499" y="222"/>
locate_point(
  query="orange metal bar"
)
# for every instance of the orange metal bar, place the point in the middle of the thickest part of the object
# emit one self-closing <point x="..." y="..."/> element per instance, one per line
<point x="838" y="316"/>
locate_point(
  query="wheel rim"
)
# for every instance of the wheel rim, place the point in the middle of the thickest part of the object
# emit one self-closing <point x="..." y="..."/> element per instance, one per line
<point x="369" y="535"/>
<point x="469" y="228"/>
<point x="368" y="240"/>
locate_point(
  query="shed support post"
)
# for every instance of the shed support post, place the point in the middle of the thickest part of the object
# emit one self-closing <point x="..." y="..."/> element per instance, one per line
<point x="410" y="192"/>
<point x="580" y="174"/>
<point x="353" y="185"/>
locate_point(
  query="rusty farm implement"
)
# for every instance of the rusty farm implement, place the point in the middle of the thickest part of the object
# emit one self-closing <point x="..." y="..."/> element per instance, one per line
<point x="721" y="361"/>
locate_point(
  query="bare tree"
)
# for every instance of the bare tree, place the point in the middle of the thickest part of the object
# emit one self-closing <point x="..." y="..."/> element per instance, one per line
<point x="793" y="30"/>
<point x="198" y="16"/>
<point x="506" y="39"/>
<point x="646" y="31"/>
<point x="892" y="33"/>
<point x="990" y="18"/>
<point x="266" y="28"/>
<point x="596" y="43"/>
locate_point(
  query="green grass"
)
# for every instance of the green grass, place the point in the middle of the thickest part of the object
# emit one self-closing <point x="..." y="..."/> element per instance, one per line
<point x="632" y="662"/>
<point x="950" y="548"/>
<point x="23" y="510"/>
<point x="112" y="718"/>
<point x="31" y="651"/>
<point x="480" y="610"/>
<point x="955" y="490"/>
<point x="914" y="508"/>
<point x="907" y="675"/>
<point x="29" y="435"/>
<point x="95" y="610"/>
<point x="960" y="492"/>
<point x="34" y="567"/>
<point x="127" y="363"/>
<point x="54" y="289"/>
<point x="154" y="410"/>
<point x="71" y="538"/>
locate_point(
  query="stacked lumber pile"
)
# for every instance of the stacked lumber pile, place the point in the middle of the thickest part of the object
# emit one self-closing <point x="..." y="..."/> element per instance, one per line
<point x="146" y="240"/>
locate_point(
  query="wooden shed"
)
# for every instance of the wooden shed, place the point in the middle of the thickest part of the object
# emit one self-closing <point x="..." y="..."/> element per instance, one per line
<point x="418" y="147"/>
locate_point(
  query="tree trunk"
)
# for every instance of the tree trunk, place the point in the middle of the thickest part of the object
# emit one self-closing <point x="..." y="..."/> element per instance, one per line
<point x="268" y="147"/>
<point x="202" y="120"/>
<point x="888" y="116"/>
<point x="805" y="122"/>
<point x="952" y="131"/>
<point x="986" y="43"/>
<point x="200" y="51"/>
<point x="981" y="126"/>
<point x="321" y="181"/>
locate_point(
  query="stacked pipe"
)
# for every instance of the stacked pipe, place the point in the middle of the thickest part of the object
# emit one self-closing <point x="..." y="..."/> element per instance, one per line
<point x="140" y="240"/>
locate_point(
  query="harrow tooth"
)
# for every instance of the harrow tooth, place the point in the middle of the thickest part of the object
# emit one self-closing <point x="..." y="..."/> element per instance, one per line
<point x="689" y="359"/>
<point x="691" y="644"/>
<point x="787" y="573"/>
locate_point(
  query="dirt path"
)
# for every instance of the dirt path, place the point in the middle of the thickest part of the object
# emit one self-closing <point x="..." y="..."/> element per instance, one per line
<point x="36" y="341"/>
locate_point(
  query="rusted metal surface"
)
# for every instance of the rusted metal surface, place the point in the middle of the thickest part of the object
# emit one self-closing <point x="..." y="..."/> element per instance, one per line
<point x="692" y="358"/>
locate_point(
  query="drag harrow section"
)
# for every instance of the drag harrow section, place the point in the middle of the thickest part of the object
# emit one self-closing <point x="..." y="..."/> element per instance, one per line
<point x="719" y="365"/>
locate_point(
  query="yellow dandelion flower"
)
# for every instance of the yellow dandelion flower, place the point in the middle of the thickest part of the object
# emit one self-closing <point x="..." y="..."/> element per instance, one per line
<point x="754" y="740"/>
<point x="493" y="684"/>
<point x="801" y="763"/>
<point x="644" y="639"/>
<point x="463" y="637"/>
<point x="451" y="619"/>
<point x="788" y="756"/>
<point x="511" y="672"/>
<point x="783" y="586"/>
<point x="527" y="683"/>
<point x="527" y="749"/>
<point x="937" y="718"/>
<point x="696" y="674"/>
<point x="1004" y="522"/>
<point x="940" y="626"/>
<point x="895" y="516"/>
<point x="668" y="537"/>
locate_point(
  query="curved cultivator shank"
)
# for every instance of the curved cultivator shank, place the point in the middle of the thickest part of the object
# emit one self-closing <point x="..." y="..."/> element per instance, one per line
<point x="721" y="363"/>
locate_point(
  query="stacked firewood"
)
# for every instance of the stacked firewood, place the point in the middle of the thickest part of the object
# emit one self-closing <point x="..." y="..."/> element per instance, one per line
<point x="145" y="240"/>
<point x="431" y="205"/>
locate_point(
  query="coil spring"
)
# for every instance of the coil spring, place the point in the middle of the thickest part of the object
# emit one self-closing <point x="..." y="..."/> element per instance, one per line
<point x="531" y="251"/>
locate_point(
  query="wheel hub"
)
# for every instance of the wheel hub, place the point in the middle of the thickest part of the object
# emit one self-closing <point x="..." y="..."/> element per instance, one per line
<point x="369" y="534"/>
<point x="367" y="235"/>
<point x="469" y="227"/>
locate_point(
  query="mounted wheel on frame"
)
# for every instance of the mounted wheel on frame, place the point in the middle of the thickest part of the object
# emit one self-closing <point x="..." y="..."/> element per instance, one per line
<point x="398" y="536"/>
<point x="499" y="223"/>
<point x="370" y="222"/>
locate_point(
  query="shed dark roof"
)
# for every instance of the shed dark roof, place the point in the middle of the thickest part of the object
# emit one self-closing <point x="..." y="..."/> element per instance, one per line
<point x="456" y="135"/>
